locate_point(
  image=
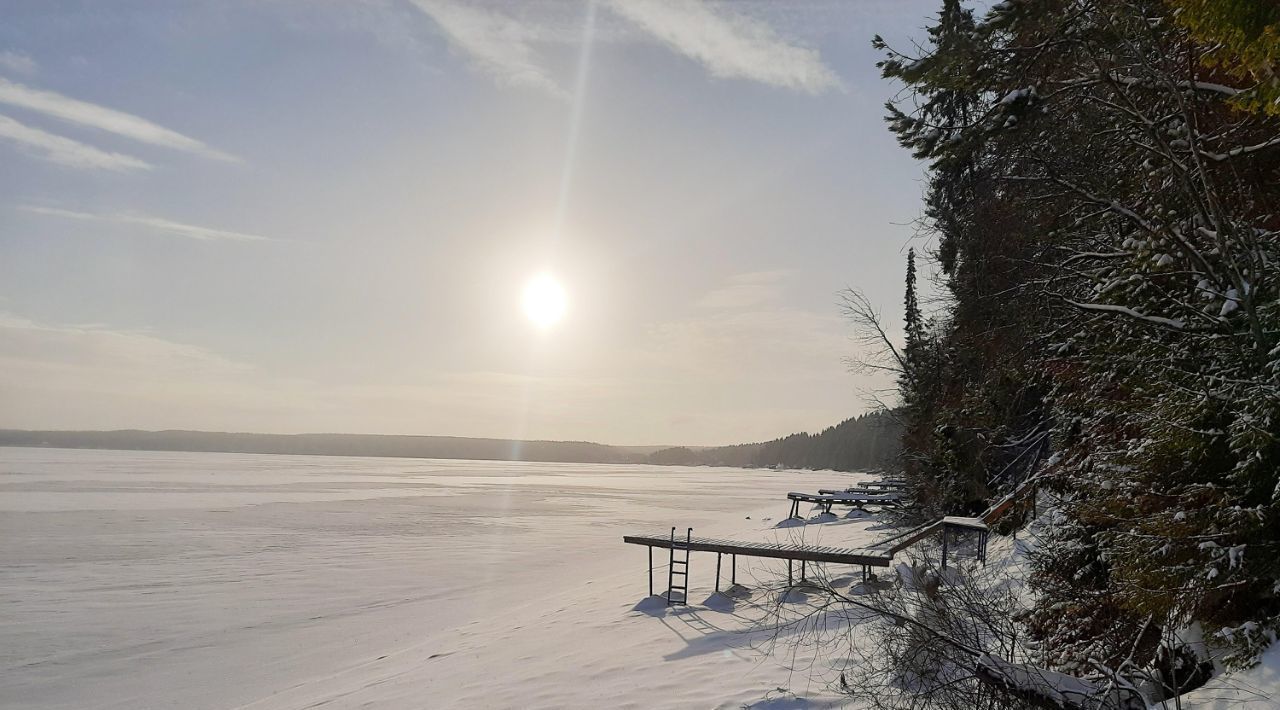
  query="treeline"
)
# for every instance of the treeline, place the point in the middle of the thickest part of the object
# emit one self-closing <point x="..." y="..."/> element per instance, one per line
<point x="866" y="442"/>
<point x="436" y="447"/>
<point x="869" y="441"/>
<point x="1104" y="191"/>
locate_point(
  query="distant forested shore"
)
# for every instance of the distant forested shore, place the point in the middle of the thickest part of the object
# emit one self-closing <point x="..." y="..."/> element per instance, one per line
<point x="863" y="442"/>
<point x="870" y="441"/>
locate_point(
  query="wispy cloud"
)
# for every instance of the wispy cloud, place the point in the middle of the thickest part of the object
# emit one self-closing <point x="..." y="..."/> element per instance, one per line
<point x="17" y="62"/>
<point x="94" y="376"/>
<point x="158" y="224"/>
<point x="64" y="151"/>
<point x="497" y="43"/>
<point x="730" y="45"/>
<point x="105" y="346"/>
<point x="104" y="119"/>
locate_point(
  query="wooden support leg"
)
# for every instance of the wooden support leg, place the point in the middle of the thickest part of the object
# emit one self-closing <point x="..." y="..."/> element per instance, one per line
<point x="801" y="570"/>
<point x="944" y="547"/>
<point x="718" y="556"/>
<point x="733" y="580"/>
<point x="650" y="569"/>
<point x="789" y="580"/>
<point x="864" y="574"/>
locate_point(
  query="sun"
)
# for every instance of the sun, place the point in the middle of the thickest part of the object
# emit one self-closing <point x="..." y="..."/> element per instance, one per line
<point x="544" y="300"/>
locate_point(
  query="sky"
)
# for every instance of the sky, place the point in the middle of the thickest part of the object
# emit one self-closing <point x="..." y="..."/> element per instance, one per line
<point x="321" y="215"/>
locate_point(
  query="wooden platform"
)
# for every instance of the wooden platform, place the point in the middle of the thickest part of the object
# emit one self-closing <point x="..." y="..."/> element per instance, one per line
<point x="857" y="500"/>
<point x="949" y="527"/>
<point x="879" y="554"/>
<point x="803" y="553"/>
<point x="859" y="490"/>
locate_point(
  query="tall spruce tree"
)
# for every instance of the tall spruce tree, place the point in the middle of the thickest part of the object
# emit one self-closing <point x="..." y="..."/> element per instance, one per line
<point x="914" y="330"/>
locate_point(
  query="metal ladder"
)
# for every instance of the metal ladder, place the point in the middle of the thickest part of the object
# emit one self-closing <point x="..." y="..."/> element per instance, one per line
<point x="683" y="571"/>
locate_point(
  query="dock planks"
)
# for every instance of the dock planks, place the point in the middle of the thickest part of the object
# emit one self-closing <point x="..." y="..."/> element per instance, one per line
<point x="805" y="553"/>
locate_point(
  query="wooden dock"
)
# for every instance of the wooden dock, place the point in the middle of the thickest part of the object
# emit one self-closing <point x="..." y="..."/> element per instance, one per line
<point x="857" y="500"/>
<point x="878" y="554"/>
<point x="888" y="483"/>
<point x="857" y="491"/>
<point x="778" y="551"/>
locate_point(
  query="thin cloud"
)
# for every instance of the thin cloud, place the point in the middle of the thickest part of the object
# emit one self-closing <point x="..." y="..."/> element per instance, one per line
<point x="748" y="290"/>
<point x="496" y="43"/>
<point x="94" y="344"/>
<point x="64" y="151"/>
<point x="104" y="119"/>
<point x="730" y="45"/>
<point x="158" y="224"/>
<point x="17" y="62"/>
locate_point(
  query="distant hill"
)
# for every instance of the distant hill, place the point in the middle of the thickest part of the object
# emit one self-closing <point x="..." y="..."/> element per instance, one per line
<point x="434" y="447"/>
<point x="869" y="441"/>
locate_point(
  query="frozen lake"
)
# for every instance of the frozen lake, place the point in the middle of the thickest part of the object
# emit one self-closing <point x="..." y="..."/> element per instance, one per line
<point x="191" y="580"/>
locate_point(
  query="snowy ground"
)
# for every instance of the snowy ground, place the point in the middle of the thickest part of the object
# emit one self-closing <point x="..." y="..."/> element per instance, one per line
<point x="1257" y="688"/>
<point x="148" y="580"/>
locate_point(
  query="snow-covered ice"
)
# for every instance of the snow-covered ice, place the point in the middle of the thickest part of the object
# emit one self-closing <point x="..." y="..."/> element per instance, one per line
<point x="186" y="580"/>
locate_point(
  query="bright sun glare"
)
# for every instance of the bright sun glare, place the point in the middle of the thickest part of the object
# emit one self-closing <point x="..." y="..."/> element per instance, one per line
<point x="544" y="300"/>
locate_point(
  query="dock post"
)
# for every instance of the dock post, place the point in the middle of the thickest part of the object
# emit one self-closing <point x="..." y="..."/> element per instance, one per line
<point x="790" y="583"/>
<point x="733" y="580"/>
<point x="945" y="530"/>
<point x="650" y="569"/>
<point x="802" y="578"/>
<point x="718" y="556"/>
<point x="864" y="574"/>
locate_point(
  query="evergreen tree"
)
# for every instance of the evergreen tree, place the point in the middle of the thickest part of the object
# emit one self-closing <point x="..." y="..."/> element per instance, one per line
<point x="1105" y="216"/>
<point x="1242" y="38"/>
<point x="914" y="331"/>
